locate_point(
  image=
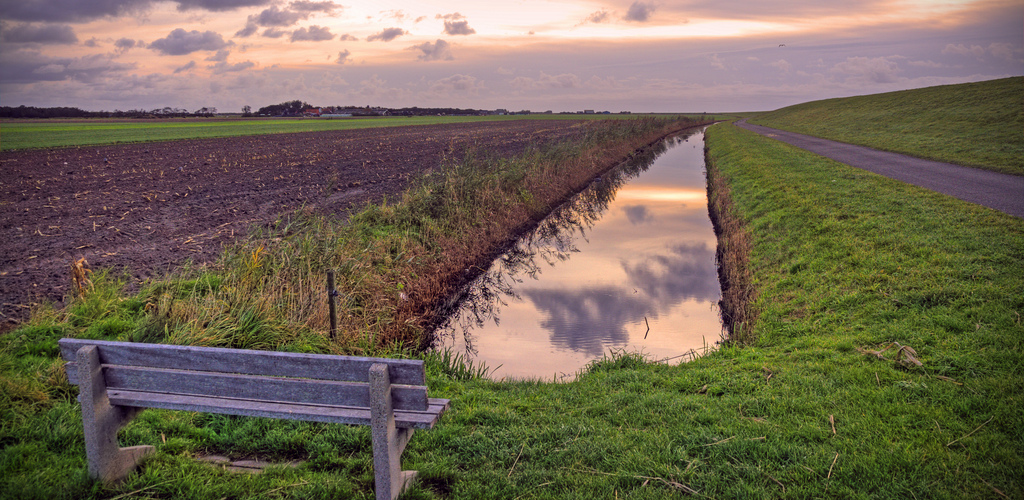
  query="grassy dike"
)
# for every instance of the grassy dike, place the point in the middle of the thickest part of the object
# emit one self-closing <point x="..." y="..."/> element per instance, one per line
<point x="841" y="261"/>
<point x="975" y="124"/>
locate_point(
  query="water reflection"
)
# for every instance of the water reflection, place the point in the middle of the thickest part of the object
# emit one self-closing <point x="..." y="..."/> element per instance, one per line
<point x="634" y="249"/>
<point x="637" y="214"/>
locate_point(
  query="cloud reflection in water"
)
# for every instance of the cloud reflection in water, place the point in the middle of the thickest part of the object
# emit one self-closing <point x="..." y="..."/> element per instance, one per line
<point x="595" y="318"/>
<point x="587" y="277"/>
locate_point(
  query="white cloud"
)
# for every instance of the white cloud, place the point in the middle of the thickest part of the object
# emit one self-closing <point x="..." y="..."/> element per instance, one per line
<point x="599" y="17"/>
<point x="457" y="84"/>
<point x="867" y="69"/>
<point x="220" y="56"/>
<point x="437" y="51"/>
<point x="386" y="35"/>
<point x="458" y="28"/>
<point x="224" y="67"/>
<point x="187" y="67"/>
<point x="327" y="7"/>
<point x="546" y="81"/>
<point x="180" y="42"/>
<point x="38" y="33"/>
<point x="125" y="44"/>
<point x="377" y="88"/>
<point x="961" y="49"/>
<point x="998" y="50"/>
<point x="1002" y="50"/>
<point x="608" y="83"/>
<point x="926" y="64"/>
<point x="312" y="34"/>
<point x="640" y="12"/>
<point x="782" y="65"/>
<point x="278" y="17"/>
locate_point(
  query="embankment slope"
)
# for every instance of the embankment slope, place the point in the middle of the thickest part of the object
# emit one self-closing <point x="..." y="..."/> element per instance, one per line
<point x="974" y="124"/>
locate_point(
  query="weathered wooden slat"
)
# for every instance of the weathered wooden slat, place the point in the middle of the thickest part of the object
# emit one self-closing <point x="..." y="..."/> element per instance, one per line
<point x="316" y="413"/>
<point x="248" y="362"/>
<point x="257" y="387"/>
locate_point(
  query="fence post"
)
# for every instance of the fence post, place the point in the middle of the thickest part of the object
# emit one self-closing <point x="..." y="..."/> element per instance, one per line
<point x="331" y="294"/>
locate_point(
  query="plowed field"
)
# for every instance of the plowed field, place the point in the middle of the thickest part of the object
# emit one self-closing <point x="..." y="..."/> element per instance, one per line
<point x="153" y="206"/>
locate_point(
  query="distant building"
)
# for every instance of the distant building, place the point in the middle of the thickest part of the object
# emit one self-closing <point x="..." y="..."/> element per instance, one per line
<point x="588" y="111"/>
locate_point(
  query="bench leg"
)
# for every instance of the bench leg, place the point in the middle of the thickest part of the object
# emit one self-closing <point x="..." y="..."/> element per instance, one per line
<point x="388" y="441"/>
<point x="101" y="422"/>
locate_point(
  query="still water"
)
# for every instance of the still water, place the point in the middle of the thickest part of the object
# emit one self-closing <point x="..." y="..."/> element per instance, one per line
<point x="629" y="264"/>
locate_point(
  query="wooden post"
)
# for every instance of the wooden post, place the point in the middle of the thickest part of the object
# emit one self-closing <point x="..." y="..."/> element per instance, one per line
<point x="331" y="293"/>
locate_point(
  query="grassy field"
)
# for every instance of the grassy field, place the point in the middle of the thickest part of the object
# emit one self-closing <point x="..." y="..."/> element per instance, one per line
<point x="842" y="264"/>
<point x="28" y="134"/>
<point x="977" y="124"/>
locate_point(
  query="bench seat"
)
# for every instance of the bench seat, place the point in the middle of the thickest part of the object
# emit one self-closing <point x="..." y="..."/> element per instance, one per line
<point x="273" y="409"/>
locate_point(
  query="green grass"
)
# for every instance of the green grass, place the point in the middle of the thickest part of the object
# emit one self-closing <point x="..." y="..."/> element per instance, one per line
<point x="841" y="260"/>
<point x="31" y="134"/>
<point x="976" y="124"/>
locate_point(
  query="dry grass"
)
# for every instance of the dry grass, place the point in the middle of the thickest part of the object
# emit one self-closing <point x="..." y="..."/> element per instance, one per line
<point x="732" y="255"/>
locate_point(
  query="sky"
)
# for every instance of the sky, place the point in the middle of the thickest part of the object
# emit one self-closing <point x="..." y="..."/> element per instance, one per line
<point x="538" y="55"/>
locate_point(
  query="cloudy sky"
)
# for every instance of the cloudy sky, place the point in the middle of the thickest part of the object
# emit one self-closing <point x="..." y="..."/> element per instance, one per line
<point x="562" y="55"/>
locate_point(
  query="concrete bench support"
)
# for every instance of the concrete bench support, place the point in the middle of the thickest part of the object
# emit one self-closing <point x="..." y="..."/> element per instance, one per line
<point x="107" y="461"/>
<point x="388" y="441"/>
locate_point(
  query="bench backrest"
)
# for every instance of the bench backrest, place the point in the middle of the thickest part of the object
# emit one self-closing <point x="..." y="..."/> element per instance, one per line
<point x="246" y="374"/>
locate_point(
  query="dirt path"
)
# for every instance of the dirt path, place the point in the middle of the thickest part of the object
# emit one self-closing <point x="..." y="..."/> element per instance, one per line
<point x="151" y="207"/>
<point x="990" y="189"/>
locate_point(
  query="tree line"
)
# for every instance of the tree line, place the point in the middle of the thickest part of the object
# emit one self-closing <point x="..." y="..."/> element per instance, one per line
<point x="70" y="112"/>
<point x="288" y="108"/>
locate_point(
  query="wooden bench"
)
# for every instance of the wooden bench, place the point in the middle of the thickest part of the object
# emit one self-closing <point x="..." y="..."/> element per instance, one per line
<point x="118" y="379"/>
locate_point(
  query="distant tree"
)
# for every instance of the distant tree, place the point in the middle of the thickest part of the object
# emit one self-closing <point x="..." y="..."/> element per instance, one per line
<point x="289" y="108"/>
<point x="34" y="112"/>
<point x="247" y="110"/>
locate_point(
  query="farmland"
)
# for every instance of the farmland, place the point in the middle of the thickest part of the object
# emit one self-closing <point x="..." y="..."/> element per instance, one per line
<point x="49" y="133"/>
<point x="149" y="207"/>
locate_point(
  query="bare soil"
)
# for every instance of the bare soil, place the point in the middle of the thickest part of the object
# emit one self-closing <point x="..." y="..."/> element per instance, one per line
<point x="150" y="207"/>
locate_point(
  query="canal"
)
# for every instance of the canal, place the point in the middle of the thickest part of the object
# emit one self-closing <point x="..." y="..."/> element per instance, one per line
<point x="626" y="265"/>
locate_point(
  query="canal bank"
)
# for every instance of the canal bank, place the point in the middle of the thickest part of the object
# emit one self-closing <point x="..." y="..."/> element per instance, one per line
<point x="628" y="264"/>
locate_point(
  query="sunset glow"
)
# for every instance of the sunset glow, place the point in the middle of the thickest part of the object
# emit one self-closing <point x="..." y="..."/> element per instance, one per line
<point x="651" y="193"/>
<point x="548" y="54"/>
